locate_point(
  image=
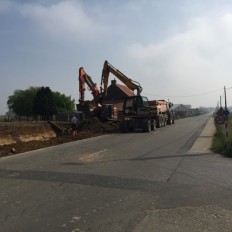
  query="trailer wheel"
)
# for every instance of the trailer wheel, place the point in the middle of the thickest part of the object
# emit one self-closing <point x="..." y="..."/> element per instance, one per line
<point x="169" y="122"/>
<point x="147" y="125"/>
<point x="158" y="125"/>
<point x="173" y="120"/>
<point x="153" y="125"/>
<point x="165" y="121"/>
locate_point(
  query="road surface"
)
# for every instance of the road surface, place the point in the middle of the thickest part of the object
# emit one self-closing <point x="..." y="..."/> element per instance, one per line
<point x="119" y="183"/>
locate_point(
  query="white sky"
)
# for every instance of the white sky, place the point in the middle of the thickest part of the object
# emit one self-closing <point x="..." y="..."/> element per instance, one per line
<point x="176" y="50"/>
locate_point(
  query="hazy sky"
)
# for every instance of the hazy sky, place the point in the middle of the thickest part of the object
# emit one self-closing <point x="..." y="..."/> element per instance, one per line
<point x="176" y="49"/>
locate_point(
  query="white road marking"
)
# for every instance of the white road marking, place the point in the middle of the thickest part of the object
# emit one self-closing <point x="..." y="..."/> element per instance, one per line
<point x="93" y="155"/>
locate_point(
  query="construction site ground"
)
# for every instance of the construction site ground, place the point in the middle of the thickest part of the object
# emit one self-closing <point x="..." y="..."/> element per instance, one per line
<point x="19" y="137"/>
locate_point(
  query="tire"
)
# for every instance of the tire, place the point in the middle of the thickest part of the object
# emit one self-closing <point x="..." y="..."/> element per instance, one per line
<point x="169" y="122"/>
<point x="123" y="127"/>
<point x="165" y="120"/>
<point x="153" y="125"/>
<point x="158" y="125"/>
<point x="173" y="121"/>
<point x="147" y="125"/>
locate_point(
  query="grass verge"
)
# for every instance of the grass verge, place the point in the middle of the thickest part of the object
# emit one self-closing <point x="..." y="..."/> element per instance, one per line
<point x="220" y="145"/>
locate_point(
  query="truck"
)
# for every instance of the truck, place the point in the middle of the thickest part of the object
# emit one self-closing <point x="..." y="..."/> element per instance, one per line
<point x="138" y="111"/>
<point x="164" y="115"/>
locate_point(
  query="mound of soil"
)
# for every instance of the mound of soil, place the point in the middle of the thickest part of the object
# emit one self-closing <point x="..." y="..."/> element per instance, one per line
<point x="96" y="126"/>
<point x="21" y="137"/>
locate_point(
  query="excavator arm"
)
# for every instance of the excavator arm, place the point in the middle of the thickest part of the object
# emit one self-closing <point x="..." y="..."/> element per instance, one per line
<point x="95" y="107"/>
<point x="85" y="78"/>
<point x="107" y="69"/>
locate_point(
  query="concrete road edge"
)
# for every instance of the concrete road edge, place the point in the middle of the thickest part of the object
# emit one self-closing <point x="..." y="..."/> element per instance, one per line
<point x="203" y="143"/>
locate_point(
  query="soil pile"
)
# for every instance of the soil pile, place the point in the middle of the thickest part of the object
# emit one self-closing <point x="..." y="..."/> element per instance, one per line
<point x="95" y="125"/>
<point x="21" y="137"/>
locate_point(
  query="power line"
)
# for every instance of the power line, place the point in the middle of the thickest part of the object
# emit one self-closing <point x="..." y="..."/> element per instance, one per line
<point x="194" y="95"/>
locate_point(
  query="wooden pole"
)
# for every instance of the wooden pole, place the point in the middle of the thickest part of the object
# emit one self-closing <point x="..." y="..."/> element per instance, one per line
<point x="226" y="121"/>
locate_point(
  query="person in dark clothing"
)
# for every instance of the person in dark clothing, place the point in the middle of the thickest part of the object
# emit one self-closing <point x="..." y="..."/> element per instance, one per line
<point x="74" y="122"/>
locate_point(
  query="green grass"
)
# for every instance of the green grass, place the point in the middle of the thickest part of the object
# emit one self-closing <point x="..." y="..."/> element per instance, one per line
<point x="219" y="144"/>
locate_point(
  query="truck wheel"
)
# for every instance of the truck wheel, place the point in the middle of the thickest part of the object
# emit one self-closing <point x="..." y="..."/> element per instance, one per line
<point x="173" y="120"/>
<point x="158" y="125"/>
<point x="169" y="122"/>
<point x="123" y="127"/>
<point x="153" y="125"/>
<point x="165" y="121"/>
<point x="169" y="119"/>
<point x="147" y="125"/>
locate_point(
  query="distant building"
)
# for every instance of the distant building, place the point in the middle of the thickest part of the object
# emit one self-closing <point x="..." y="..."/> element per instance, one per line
<point x="188" y="106"/>
<point x="193" y="112"/>
<point x="180" y="110"/>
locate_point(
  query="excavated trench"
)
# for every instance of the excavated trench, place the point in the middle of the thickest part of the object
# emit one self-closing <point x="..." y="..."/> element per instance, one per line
<point x="21" y="137"/>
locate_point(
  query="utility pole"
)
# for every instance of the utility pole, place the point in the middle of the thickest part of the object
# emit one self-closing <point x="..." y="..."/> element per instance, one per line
<point x="220" y="102"/>
<point x="226" y="122"/>
<point x="225" y="98"/>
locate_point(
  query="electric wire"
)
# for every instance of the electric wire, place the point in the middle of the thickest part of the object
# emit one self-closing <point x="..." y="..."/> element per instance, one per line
<point x="193" y="95"/>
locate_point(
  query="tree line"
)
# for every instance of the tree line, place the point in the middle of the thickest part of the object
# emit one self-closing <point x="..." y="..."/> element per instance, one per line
<point x="39" y="101"/>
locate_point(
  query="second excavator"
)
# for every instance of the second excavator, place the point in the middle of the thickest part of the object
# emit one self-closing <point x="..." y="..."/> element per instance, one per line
<point x="95" y="107"/>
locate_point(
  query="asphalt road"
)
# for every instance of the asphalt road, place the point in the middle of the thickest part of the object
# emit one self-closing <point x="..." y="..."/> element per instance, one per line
<point x="121" y="182"/>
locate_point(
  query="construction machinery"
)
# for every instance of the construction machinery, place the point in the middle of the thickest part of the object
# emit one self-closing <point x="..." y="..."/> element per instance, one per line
<point x="138" y="111"/>
<point x="109" y="68"/>
<point x="95" y="107"/>
<point x="163" y="113"/>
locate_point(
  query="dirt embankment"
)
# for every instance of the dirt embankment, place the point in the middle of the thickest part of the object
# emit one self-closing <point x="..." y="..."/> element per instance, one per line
<point x="21" y="137"/>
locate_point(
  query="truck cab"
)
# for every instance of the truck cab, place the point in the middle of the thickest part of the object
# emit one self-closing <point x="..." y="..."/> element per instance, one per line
<point x="137" y="115"/>
<point x="136" y="106"/>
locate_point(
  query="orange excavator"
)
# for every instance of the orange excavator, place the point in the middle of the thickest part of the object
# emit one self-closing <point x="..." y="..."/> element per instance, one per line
<point x="95" y="107"/>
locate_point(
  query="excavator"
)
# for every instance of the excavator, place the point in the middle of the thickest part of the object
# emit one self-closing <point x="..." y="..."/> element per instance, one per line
<point x="95" y="107"/>
<point x="138" y="112"/>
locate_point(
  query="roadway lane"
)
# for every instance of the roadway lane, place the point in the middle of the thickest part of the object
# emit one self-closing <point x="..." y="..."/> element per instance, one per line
<point x="108" y="183"/>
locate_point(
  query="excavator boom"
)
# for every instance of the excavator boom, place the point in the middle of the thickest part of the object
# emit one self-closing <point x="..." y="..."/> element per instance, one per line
<point x="85" y="78"/>
<point x="107" y="69"/>
<point x="95" y="107"/>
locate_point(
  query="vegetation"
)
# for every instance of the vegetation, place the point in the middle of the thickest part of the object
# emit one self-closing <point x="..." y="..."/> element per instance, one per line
<point x="220" y="145"/>
<point x="21" y="102"/>
<point x="39" y="101"/>
<point x="63" y="103"/>
<point x="44" y="103"/>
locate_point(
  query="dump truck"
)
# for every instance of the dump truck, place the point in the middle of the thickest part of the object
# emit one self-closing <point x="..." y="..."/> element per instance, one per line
<point x="163" y="113"/>
<point x="140" y="113"/>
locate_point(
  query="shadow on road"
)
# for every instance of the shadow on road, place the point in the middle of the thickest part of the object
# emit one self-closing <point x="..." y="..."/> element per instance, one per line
<point x="84" y="179"/>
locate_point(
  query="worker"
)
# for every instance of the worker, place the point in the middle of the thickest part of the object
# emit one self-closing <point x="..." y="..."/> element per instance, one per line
<point x="74" y="121"/>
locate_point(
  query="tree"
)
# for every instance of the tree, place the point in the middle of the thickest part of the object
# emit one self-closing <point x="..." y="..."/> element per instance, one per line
<point x="44" y="103"/>
<point x="21" y="102"/>
<point x="39" y="101"/>
<point x="64" y="103"/>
